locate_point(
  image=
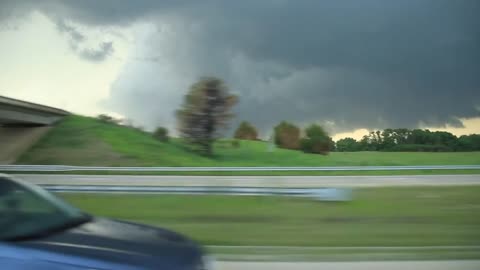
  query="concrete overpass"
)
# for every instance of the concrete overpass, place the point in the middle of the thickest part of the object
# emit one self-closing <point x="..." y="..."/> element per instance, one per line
<point x="15" y="112"/>
<point x="22" y="123"/>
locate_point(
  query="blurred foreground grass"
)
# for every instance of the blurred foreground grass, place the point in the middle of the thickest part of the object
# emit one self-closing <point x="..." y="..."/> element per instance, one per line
<point x="377" y="217"/>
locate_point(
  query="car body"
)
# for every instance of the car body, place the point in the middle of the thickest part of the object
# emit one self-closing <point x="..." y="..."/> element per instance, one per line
<point x="39" y="231"/>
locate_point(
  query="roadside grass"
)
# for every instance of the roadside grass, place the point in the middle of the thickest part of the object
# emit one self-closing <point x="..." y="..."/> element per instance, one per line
<point x="252" y="253"/>
<point x="377" y="217"/>
<point x="86" y="141"/>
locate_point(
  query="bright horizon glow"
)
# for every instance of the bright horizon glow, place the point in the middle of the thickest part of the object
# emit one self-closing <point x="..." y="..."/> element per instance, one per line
<point x="471" y="126"/>
<point x="38" y="66"/>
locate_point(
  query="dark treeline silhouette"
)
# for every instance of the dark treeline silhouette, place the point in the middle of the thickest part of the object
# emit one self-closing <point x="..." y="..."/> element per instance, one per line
<point x="408" y="140"/>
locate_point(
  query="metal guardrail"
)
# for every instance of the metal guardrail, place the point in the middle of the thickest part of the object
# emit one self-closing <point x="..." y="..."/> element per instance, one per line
<point x="67" y="168"/>
<point x="321" y="194"/>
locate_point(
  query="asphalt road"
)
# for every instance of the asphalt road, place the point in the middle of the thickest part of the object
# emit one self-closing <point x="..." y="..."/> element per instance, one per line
<point x="254" y="181"/>
<point x="390" y="265"/>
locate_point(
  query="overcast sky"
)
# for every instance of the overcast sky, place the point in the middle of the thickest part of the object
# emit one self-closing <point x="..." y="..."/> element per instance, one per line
<point x="349" y="65"/>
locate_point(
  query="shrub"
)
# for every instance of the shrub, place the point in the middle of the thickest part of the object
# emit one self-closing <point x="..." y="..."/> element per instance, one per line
<point x="287" y="135"/>
<point x="246" y="131"/>
<point x="348" y="145"/>
<point x="105" y="118"/>
<point x="317" y="141"/>
<point x="161" y="134"/>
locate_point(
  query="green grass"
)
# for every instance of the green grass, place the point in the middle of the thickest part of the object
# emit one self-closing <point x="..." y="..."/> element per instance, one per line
<point x="420" y="216"/>
<point x="85" y="141"/>
<point x="250" y="253"/>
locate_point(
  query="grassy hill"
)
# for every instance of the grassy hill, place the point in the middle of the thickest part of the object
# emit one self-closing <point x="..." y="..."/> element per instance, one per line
<point x="86" y="141"/>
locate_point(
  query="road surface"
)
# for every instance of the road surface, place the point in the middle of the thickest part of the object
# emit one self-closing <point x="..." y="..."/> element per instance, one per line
<point x="253" y="181"/>
<point x="390" y="265"/>
<point x="69" y="168"/>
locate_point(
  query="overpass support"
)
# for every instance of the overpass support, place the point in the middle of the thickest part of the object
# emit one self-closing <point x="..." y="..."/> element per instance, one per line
<point x="22" y="124"/>
<point x="15" y="112"/>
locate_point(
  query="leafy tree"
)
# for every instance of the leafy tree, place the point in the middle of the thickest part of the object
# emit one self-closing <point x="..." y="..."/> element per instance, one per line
<point x="161" y="134"/>
<point x="401" y="135"/>
<point x="446" y="139"/>
<point x="317" y="141"/>
<point x="246" y="131"/>
<point x="468" y="143"/>
<point x="348" y="145"/>
<point x="287" y="135"/>
<point x="372" y="141"/>
<point x="204" y="113"/>
<point x="388" y="139"/>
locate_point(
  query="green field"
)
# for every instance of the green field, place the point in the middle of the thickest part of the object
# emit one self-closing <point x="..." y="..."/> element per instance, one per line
<point x="85" y="141"/>
<point x="420" y="216"/>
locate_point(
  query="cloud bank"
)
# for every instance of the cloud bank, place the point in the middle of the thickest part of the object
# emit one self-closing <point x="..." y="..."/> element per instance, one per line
<point x="348" y="64"/>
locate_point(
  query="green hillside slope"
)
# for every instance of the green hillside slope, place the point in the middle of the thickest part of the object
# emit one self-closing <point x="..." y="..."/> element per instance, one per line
<point x="82" y="140"/>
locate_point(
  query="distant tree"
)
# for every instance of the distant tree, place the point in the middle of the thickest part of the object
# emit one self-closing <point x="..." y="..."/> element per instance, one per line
<point x="420" y="136"/>
<point x="161" y="134"/>
<point x="317" y="141"/>
<point x="204" y="113"/>
<point x="468" y="143"/>
<point x="371" y="142"/>
<point x="401" y="135"/>
<point x="388" y="139"/>
<point x="348" y="145"/>
<point x="287" y="135"/>
<point x="364" y="143"/>
<point x="246" y="131"/>
<point x="446" y="139"/>
<point x="105" y="118"/>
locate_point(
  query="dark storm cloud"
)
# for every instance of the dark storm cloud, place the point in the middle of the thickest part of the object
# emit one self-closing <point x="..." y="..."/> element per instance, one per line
<point x="104" y="50"/>
<point x="74" y="34"/>
<point x="76" y="42"/>
<point x="17" y="10"/>
<point x="357" y="64"/>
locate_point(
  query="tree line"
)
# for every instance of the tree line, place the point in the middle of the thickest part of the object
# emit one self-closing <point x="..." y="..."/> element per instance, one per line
<point x="206" y="112"/>
<point x="317" y="140"/>
<point x="289" y="136"/>
<point x="410" y="140"/>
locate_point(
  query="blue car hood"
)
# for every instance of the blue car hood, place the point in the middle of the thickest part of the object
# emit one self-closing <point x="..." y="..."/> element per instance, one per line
<point x="110" y="244"/>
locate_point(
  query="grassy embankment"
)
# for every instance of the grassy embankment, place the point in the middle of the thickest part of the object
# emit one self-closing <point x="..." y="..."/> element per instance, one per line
<point x="377" y="217"/>
<point x="88" y="142"/>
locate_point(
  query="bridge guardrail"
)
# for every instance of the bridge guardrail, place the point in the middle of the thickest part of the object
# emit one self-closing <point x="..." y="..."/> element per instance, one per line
<point x="67" y="168"/>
